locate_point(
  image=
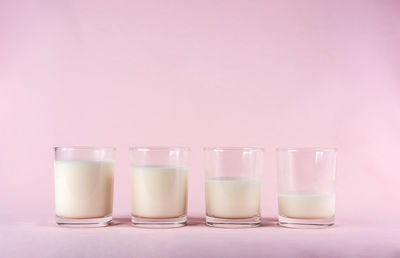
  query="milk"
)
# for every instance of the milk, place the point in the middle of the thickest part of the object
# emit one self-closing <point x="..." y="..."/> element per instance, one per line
<point x="233" y="198"/>
<point x="83" y="189"/>
<point x="306" y="205"/>
<point x="159" y="192"/>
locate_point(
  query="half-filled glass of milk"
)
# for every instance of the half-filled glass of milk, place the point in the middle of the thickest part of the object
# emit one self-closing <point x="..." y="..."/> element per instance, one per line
<point x="84" y="185"/>
<point x="306" y="187"/>
<point x="159" y="178"/>
<point x="233" y="186"/>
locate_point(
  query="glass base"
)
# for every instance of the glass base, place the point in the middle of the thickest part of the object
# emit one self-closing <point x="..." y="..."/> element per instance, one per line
<point x="233" y="223"/>
<point x="159" y="223"/>
<point x="93" y="222"/>
<point x="306" y="223"/>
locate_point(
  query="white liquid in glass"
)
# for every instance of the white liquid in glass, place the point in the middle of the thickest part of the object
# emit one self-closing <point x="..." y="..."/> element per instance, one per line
<point x="233" y="198"/>
<point x="159" y="192"/>
<point x="83" y="189"/>
<point x="306" y="205"/>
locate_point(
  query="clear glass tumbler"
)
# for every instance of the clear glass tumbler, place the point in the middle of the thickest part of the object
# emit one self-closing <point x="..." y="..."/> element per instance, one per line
<point x="233" y="186"/>
<point x="84" y="185"/>
<point x="159" y="186"/>
<point x="306" y="187"/>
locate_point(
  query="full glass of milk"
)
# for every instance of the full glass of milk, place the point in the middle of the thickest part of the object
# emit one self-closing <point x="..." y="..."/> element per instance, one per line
<point x="159" y="186"/>
<point x="233" y="186"/>
<point x="84" y="185"/>
<point x="306" y="187"/>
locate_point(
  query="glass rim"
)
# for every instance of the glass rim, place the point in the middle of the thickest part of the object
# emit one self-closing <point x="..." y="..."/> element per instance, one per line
<point x="233" y="149"/>
<point x="158" y="148"/>
<point x="307" y="149"/>
<point x="62" y="148"/>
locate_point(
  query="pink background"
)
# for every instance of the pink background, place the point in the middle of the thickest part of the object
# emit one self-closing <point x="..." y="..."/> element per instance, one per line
<point x="201" y="73"/>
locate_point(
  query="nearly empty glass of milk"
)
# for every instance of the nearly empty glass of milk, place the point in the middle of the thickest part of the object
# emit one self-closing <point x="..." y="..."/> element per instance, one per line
<point x="233" y="186"/>
<point x="84" y="183"/>
<point x="159" y="186"/>
<point x="306" y="187"/>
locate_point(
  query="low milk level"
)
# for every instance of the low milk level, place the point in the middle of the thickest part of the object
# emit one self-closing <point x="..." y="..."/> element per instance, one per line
<point x="83" y="189"/>
<point x="233" y="198"/>
<point x="307" y="205"/>
<point x="159" y="192"/>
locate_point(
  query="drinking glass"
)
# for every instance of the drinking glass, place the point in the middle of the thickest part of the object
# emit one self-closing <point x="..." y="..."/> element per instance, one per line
<point x="159" y="186"/>
<point x="233" y="186"/>
<point x="84" y="185"/>
<point x="306" y="186"/>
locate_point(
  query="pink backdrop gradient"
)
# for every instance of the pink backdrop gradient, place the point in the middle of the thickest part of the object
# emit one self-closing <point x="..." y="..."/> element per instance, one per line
<point x="202" y="73"/>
